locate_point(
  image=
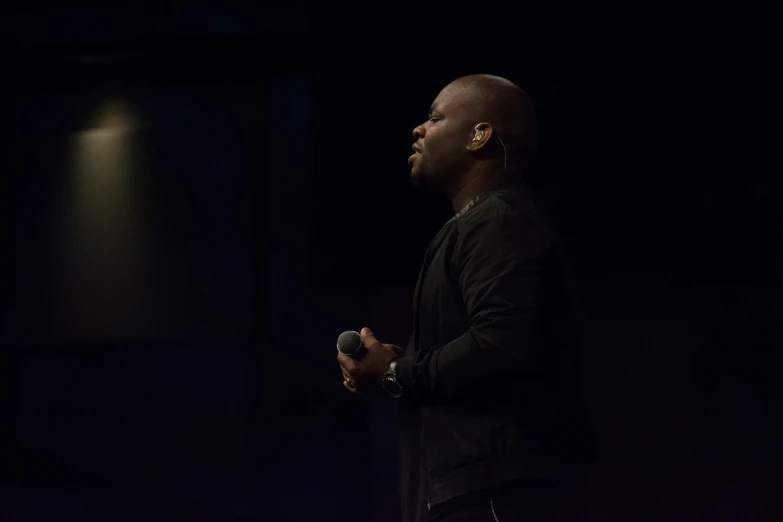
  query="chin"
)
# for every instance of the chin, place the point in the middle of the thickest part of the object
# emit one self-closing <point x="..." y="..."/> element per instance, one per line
<point x="422" y="182"/>
<point x="415" y="177"/>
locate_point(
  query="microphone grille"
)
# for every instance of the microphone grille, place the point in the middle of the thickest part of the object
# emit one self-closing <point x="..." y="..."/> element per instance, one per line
<point x="349" y="342"/>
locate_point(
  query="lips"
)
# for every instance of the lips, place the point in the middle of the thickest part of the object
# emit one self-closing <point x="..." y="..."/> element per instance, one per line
<point x="416" y="153"/>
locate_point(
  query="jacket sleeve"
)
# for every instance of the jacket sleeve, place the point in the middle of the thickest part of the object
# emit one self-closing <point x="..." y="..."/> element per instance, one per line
<point x="499" y="258"/>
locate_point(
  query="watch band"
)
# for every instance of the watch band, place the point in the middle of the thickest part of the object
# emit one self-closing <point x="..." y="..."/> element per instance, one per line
<point x="390" y="383"/>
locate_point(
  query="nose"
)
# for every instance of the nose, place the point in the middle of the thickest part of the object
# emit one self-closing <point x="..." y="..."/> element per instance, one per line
<point x="419" y="132"/>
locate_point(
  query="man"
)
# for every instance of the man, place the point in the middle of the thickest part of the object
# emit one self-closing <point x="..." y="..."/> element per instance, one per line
<point x="488" y="385"/>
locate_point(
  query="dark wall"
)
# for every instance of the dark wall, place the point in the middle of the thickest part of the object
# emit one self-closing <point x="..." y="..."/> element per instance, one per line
<point x="137" y="211"/>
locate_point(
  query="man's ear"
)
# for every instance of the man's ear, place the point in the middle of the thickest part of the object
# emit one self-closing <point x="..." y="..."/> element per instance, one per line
<point x="481" y="134"/>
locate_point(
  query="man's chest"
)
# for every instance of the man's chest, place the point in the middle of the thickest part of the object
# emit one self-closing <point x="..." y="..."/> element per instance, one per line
<point x="439" y="309"/>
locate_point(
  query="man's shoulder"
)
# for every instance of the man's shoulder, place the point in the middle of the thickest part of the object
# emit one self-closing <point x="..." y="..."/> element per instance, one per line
<point x="504" y="209"/>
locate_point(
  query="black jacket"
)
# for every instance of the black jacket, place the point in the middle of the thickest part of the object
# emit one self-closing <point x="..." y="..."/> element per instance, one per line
<point x="491" y="375"/>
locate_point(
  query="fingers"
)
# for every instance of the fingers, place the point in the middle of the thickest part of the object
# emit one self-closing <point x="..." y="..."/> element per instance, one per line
<point x="350" y="388"/>
<point x="348" y="381"/>
<point x="348" y="366"/>
<point x="345" y="361"/>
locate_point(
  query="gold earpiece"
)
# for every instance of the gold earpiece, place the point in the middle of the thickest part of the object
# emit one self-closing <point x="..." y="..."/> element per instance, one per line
<point x="479" y="134"/>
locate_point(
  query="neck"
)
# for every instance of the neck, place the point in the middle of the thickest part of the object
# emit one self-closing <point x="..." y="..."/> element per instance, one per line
<point x="472" y="185"/>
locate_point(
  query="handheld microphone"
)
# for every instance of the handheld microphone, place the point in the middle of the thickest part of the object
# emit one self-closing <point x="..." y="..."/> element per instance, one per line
<point x="350" y="343"/>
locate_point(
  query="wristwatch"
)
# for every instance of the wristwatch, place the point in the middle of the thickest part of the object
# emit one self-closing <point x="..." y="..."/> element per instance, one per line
<point x="390" y="383"/>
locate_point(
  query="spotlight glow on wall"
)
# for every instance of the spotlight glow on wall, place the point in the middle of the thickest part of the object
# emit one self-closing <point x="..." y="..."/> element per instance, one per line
<point x="105" y="245"/>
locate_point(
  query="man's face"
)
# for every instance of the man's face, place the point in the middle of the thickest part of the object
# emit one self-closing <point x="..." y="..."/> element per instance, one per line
<point x="440" y="157"/>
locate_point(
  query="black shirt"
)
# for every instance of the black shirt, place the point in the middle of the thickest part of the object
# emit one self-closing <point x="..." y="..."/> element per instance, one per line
<point x="483" y="374"/>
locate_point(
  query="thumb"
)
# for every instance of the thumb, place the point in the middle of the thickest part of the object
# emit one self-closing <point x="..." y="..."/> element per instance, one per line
<point x="367" y="336"/>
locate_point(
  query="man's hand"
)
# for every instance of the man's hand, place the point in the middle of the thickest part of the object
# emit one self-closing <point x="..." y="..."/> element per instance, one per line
<point x="361" y="374"/>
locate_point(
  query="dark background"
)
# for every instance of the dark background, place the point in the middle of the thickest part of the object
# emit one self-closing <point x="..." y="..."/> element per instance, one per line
<point x="196" y="201"/>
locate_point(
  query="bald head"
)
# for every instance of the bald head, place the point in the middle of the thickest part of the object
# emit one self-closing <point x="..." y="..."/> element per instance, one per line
<point x="508" y="110"/>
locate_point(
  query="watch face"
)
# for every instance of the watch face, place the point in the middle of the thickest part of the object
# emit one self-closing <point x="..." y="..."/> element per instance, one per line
<point x="392" y="387"/>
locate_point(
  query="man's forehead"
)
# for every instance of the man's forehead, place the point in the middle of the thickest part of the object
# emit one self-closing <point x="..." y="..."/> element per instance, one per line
<point x="454" y="95"/>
